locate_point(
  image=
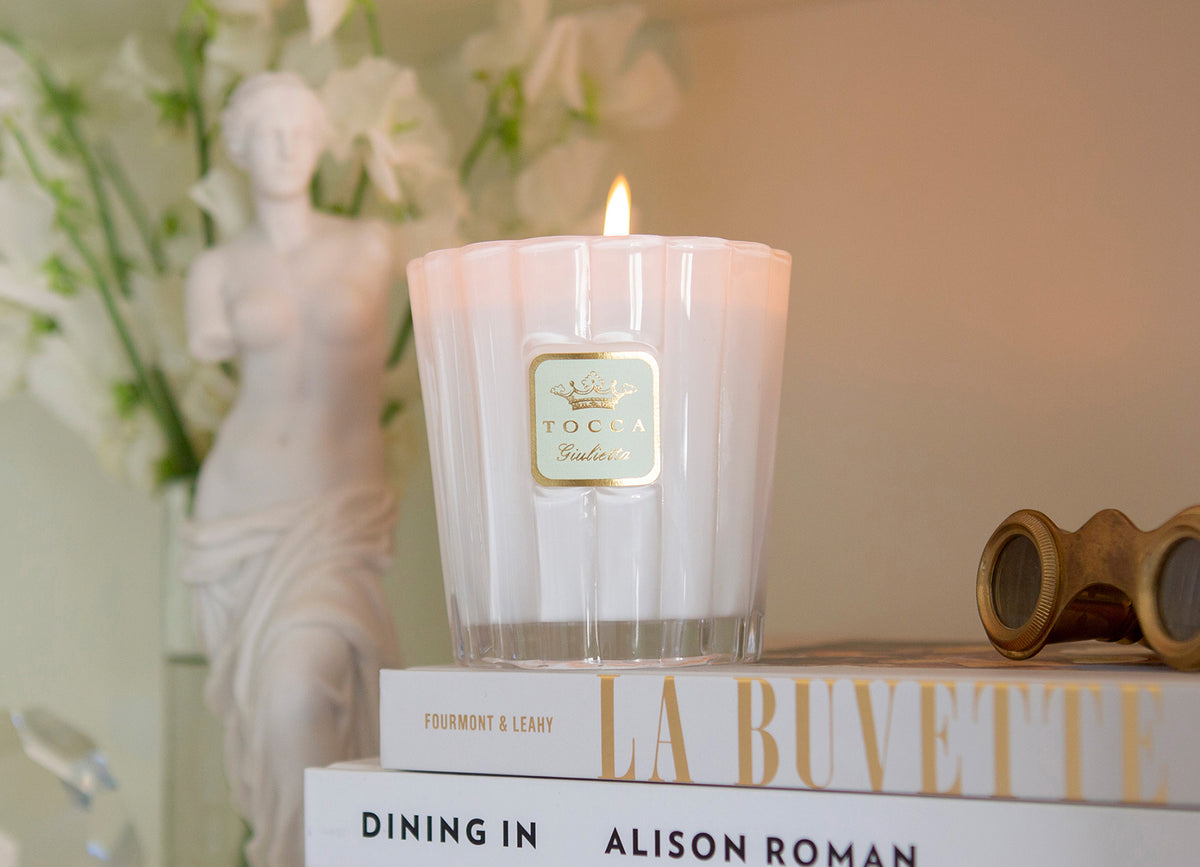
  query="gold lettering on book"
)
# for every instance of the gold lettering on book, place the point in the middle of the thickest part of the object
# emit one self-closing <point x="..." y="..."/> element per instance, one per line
<point x="876" y="750"/>
<point x="669" y="705"/>
<point x="1001" y="733"/>
<point x="933" y="722"/>
<point x="1135" y="741"/>
<point x="608" y="748"/>
<point x="804" y="735"/>
<point x="1073" y="735"/>
<point x="746" y="730"/>
<point x="936" y="739"/>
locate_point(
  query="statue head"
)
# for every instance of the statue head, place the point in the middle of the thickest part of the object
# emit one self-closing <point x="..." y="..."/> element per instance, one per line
<point x="275" y="129"/>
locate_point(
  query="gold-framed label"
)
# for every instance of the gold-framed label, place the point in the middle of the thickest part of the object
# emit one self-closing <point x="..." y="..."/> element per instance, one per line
<point x="593" y="419"/>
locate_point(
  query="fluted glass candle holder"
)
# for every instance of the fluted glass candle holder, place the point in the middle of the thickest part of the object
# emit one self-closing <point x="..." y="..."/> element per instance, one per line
<point x="602" y="415"/>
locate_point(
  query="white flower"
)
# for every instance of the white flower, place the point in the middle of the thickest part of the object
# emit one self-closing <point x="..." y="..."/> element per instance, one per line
<point x="78" y="373"/>
<point x="73" y="371"/>
<point x="376" y="108"/>
<point x="554" y="193"/>
<point x="27" y="241"/>
<point x="324" y="17"/>
<point x="15" y="344"/>
<point x="513" y="42"/>
<point x="583" y="64"/>
<point x="155" y="319"/>
<point x="60" y="379"/>
<point x="27" y="213"/>
<point x="18" y="87"/>
<point x="314" y="62"/>
<point x="28" y="290"/>
<point x="132" y="448"/>
<point x="130" y="76"/>
<point x="263" y="10"/>
<point x="240" y="48"/>
<point x="206" y="397"/>
<point x="224" y="194"/>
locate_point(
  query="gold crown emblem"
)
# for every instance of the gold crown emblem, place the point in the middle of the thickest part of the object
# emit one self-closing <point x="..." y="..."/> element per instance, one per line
<point x="593" y="392"/>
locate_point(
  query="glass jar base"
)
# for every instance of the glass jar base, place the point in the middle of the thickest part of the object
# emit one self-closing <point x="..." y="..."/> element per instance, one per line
<point x="611" y="643"/>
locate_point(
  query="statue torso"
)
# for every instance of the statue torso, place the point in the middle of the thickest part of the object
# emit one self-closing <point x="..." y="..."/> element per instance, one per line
<point x="310" y="334"/>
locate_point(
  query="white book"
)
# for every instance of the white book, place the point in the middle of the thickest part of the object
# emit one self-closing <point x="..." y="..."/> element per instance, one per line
<point x="357" y="815"/>
<point x="900" y="720"/>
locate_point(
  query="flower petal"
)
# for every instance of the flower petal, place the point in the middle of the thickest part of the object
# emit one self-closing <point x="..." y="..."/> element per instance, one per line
<point x="129" y="75"/>
<point x="556" y="190"/>
<point x="240" y="48"/>
<point x="224" y="195"/>
<point x="26" y="222"/>
<point x="646" y="96"/>
<point x="60" y="380"/>
<point x="555" y="70"/>
<point x="313" y="63"/>
<point x="206" y="398"/>
<point x="519" y="27"/>
<point x="324" y="17"/>
<point x="26" y="291"/>
<point x="14" y="348"/>
<point x="607" y="34"/>
<point x="379" y="168"/>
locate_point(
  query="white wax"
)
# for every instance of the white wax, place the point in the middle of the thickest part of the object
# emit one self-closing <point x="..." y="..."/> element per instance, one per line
<point x="685" y="546"/>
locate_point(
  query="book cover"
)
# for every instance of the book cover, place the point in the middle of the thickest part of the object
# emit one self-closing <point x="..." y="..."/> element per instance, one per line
<point x="358" y="814"/>
<point x="1100" y="724"/>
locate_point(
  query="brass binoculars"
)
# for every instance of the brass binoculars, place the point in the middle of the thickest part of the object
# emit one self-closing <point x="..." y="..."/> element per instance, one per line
<point x="1110" y="581"/>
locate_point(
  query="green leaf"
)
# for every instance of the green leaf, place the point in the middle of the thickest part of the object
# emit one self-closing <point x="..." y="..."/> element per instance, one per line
<point x="61" y="143"/>
<point x="174" y="107"/>
<point x="391" y="410"/>
<point x="169" y="468"/>
<point x="43" y="324"/>
<point x="64" y="99"/>
<point x="127" y="396"/>
<point x="591" y="100"/>
<point x="62" y="279"/>
<point x="66" y="203"/>
<point x="204" y="12"/>
<point x="171" y="224"/>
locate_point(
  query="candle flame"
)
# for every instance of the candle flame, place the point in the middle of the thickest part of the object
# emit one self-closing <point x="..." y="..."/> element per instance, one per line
<point x="616" y="215"/>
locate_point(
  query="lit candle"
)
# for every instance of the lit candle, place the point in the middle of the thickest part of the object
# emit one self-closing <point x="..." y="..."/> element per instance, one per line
<point x="601" y="415"/>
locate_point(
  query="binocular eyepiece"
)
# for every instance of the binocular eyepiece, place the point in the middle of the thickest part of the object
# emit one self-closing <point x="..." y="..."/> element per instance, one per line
<point x="1108" y="580"/>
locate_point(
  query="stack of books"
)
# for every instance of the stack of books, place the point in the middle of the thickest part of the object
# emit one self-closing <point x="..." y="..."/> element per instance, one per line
<point x="839" y="756"/>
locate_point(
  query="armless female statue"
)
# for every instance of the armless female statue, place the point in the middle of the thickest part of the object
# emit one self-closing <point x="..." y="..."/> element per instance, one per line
<point x="293" y="522"/>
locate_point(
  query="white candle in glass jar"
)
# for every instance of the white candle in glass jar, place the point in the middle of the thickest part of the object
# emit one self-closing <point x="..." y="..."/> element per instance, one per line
<point x="602" y="415"/>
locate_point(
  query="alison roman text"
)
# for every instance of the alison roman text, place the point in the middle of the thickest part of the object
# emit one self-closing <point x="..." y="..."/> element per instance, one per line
<point x="733" y="849"/>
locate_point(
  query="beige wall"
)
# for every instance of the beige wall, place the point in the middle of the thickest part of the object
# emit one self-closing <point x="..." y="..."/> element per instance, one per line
<point x="993" y="212"/>
<point x="992" y="209"/>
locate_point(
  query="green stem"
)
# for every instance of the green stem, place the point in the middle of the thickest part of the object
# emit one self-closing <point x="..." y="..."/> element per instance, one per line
<point x="186" y="462"/>
<point x="359" y="195"/>
<point x="133" y="206"/>
<point x="189" y="48"/>
<point x="154" y="386"/>
<point x="403" y="336"/>
<point x="374" y="32"/>
<point x="59" y="103"/>
<point x="475" y="151"/>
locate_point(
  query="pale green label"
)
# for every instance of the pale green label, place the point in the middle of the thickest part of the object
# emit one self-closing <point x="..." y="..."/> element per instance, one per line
<point x="594" y="418"/>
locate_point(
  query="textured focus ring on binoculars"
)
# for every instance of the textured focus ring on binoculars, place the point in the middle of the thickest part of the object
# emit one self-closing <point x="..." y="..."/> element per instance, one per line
<point x="1038" y="584"/>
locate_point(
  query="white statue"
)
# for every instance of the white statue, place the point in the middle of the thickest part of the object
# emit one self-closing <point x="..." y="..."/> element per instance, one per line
<point x="293" y="522"/>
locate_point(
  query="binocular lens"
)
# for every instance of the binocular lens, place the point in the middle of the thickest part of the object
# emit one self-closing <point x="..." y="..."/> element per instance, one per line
<point x="1017" y="581"/>
<point x="1179" y="590"/>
